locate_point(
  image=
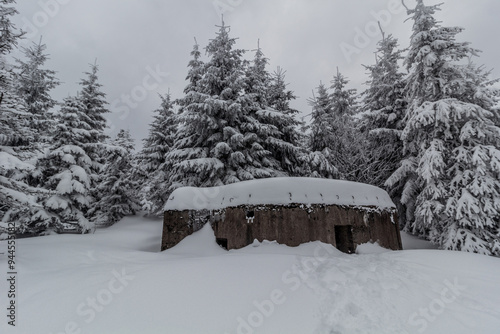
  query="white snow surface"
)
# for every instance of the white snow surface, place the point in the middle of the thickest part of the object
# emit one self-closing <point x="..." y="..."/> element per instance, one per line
<point x="117" y="282"/>
<point x="413" y="242"/>
<point x="279" y="191"/>
<point x="371" y="248"/>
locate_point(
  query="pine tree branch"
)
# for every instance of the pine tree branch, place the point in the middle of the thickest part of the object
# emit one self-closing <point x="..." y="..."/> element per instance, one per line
<point x="405" y="6"/>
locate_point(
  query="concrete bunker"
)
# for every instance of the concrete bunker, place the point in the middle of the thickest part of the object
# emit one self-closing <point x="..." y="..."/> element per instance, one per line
<point x="290" y="211"/>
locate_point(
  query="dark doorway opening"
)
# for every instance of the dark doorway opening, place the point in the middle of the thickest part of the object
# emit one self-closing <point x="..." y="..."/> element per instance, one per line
<point x="343" y="239"/>
<point x="222" y="242"/>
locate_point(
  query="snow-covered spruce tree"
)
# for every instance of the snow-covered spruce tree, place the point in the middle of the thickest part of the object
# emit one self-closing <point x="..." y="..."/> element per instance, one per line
<point x="218" y="139"/>
<point x="258" y="80"/>
<point x="347" y="142"/>
<point x="480" y="89"/>
<point x="319" y="160"/>
<point x="381" y="116"/>
<point x="18" y="201"/>
<point x="8" y="42"/>
<point x="383" y="109"/>
<point x="148" y="161"/>
<point x="278" y="131"/>
<point x="10" y="35"/>
<point x="139" y="174"/>
<point x="280" y="98"/>
<point x="151" y="160"/>
<point x="452" y="168"/>
<point x="118" y="187"/>
<point x="9" y="117"/>
<point x="93" y="102"/>
<point x="196" y="70"/>
<point x="33" y="85"/>
<point x="68" y="169"/>
<point x="432" y="59"/>
<point x="321" y="130"/>
<point x="459" y="169"/>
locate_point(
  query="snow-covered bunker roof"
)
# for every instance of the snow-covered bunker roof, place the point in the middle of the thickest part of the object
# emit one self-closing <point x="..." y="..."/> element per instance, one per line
<point x="279" y="191"/>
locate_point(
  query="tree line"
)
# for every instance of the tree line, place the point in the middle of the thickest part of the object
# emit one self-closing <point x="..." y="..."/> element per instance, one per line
<point x="58" y="168"/>
<point x="426" y="129"/>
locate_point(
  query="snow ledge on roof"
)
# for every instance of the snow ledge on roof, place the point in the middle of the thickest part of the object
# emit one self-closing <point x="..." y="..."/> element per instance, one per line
<point x="279" y="191"/>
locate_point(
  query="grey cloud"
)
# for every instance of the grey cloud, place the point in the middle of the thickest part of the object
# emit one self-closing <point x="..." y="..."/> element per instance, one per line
<point x="303" y="37"/>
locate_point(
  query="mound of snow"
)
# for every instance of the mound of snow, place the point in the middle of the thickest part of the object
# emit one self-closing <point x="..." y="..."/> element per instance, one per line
<point x="200" y="243"/>
<point x="279" y="191"/>
<point x="371" y="248"/>
<point x="309" y="249"/>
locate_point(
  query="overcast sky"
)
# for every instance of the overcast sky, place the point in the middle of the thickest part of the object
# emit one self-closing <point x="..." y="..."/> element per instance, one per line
<point x="137" y="42"/>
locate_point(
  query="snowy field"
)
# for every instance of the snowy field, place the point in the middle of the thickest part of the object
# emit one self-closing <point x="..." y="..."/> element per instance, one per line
<point x="116" y="281"/>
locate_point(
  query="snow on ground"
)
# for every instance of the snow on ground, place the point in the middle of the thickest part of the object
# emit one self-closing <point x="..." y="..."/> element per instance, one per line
<point x="116" y="281"/>
<point x="371" y="248"/>
<point x="413" y="242"/>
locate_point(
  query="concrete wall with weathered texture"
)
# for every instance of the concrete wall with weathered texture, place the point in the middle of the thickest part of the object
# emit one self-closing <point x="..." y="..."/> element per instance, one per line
<point x="291" y="225"/>
<point x="176" y="226"/>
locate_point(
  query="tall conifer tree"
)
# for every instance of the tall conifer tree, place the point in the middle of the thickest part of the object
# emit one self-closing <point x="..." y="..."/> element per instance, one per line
<point x="68" y="169"/>
<point x="319" y="160"/>
<point x="118" y="197"/>
<point x="218" y="139"/>
<point x="347" y="143"/>
<point x="152" y="162"/>
<point x="278" y="127"/>
<point x="33" y="85"/>
<point x="452" y="167"/>
<point x="382" y="117"/>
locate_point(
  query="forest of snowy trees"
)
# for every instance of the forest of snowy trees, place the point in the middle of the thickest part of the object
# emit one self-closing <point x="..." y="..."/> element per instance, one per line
<point x="426" y="129"/>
